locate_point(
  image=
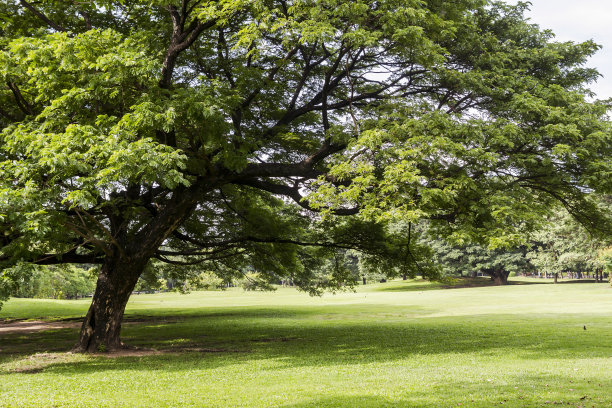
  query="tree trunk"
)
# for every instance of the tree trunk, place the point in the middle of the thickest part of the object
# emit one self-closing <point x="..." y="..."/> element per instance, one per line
<point x="556" y="277"/>
<point x="501" y="280"/>
<point x="125" y="263"/>
<point x="500" y="277"/>
<point x="101" y="328"/>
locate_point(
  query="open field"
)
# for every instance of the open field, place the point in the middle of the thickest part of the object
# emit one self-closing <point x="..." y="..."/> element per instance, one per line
<point x="399" y="344"/>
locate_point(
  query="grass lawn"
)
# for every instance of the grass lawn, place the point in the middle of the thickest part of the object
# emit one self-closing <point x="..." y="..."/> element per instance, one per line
<point x="398" y="344"/>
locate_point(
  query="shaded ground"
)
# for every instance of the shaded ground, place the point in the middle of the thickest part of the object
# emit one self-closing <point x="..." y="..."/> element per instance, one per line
<point x="32" y="326"/>
<point x="517" y="346"/>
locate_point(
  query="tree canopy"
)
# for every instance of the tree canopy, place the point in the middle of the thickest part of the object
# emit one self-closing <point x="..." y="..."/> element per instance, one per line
<point x="265" y="134"/>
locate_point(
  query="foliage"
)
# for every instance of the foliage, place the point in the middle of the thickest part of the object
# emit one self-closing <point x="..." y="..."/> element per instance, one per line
<point x="473" y="259"/>
<point x="5" y="291"/>
<point x="207" y="281"/>
<point x="563" y="245"/>
<point x="270" y="136"/>
<point x="558" y="244"/>
<point x="253" y="281"/>
<point x="57" y="282"/>
<point x="150" y="281"/>
<point x="605" y="257"/>
<point x="11" y="279"/>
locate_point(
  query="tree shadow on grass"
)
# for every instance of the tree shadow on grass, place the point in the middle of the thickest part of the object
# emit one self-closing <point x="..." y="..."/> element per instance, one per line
<point x="299" y="337"/>
<point x="420" y="287"/>
<point x="580" y="281"/>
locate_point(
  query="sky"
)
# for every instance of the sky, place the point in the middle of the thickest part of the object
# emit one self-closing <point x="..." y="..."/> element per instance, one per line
<point x="580" y="20"/>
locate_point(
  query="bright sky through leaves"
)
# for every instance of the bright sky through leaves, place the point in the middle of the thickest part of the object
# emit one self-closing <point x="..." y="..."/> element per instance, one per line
<point x="573" y="20"/>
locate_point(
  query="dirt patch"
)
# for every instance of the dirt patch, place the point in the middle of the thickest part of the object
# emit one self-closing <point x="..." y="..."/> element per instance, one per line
<point x="23" y="370"/>
<point x="33" y="326"/>
<point x="37" y="363"/>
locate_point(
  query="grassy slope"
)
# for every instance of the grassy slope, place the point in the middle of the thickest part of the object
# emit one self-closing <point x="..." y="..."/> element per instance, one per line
<point x="400" y="344"/>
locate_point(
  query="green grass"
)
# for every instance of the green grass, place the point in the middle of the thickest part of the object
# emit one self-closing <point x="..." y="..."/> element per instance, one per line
<point x="399" y="344"/>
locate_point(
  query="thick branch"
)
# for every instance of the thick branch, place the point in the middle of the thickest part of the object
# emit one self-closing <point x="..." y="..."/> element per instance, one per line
<point x="43" y="17"/>
<point x="179" y="42"/>
<point x="21" y="102"/>
<point x="65" y="258"/>
<point x="233" y="243"/>
<point x="280" y="170"/>
<point x="327" y="149"/>
<point x="87" y="20"/>
<point x="172" y="215"/>
<point x="294" y="194"/>
<point x="197" y="261"/>
<point x="54" y="259"/>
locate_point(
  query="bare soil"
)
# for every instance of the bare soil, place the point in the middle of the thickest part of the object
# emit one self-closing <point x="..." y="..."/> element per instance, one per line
<point x="33" y="326"/>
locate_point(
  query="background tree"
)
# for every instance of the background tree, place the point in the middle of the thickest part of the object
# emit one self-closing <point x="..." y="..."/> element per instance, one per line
<point x="605" y="257"/>
<point x="57" y="282"/>
<point x="563" y="245"/>
<point x="473" y="259"/>
<point x="254" y="133"/>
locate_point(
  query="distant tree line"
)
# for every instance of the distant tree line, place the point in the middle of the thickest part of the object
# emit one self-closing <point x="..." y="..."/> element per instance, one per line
<point x="560" y="248"/>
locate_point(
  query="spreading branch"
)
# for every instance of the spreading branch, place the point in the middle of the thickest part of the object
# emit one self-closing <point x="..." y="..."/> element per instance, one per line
<point x="294" y="194"/>
<point x="42" y="16"/>
<point x="181" y="40"/>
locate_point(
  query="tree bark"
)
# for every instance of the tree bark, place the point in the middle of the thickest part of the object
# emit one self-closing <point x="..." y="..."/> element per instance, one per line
<point x="556" y="277"/>
<point x="101" y="328"/>
<point x="500" y="277"/>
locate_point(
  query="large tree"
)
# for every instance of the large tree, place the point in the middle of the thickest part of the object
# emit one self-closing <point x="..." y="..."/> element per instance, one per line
<point x="473" y="259"/>
<point x="252" y="134"/>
